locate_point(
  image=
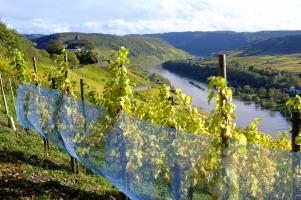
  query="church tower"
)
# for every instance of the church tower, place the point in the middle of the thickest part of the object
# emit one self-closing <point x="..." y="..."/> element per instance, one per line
<point x="76" y="37"/>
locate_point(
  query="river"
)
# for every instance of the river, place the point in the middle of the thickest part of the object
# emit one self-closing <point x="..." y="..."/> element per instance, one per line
<point x="271" y="122"/>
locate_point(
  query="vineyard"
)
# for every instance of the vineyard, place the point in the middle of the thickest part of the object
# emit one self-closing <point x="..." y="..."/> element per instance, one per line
<point x="160" y="147"/>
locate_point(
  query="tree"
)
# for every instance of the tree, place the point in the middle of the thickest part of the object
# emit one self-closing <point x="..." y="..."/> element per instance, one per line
<point x="55" y="47"/>
<point x="247" y="89"/>
<point x="89" y="44"/>
<point x="10" y="39"/>
<point x="262" y="92"/>
<point x="87" y="57"/>
<point x="72" y="60"/>
<point x="273" y="93"/>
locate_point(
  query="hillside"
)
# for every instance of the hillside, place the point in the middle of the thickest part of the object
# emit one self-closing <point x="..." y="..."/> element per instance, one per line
<point x="32" y="36"/>
<point x="204" y="43"/>
<point x="279" y="45"/>
<point x="10" y="39"/>
<point x="140" y="46"/>
<point x="26" y="172"/>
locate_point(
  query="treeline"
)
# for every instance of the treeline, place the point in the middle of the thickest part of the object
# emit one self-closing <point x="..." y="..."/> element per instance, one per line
<point x="266" y="87"/>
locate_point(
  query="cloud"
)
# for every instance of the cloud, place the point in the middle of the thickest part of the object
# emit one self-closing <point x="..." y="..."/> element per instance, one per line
<point x="49" y="26"/>
<point x="37" y="25"/>
<point x="139" y="16"/>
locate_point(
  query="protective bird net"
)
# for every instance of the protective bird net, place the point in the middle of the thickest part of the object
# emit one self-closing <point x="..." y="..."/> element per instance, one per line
<point x="148" y="161"/>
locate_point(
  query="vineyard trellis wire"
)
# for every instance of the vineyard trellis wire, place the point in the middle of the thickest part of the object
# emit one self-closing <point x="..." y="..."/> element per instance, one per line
<point x="157" y="157"/>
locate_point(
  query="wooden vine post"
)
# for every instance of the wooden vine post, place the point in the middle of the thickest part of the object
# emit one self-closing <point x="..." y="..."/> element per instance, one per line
<point x="295" y="130"/>
<point x="45" y="141"/>
<point x="82" y="93"/>
<point x="222" y="72"/>
<point x="10" y="119"/>
<point x="295" y="148"/>
<point x="74" y="164"/>
<point x="12" y="92"/>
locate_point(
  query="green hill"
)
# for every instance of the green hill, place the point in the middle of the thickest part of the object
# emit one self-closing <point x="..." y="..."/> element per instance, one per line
<point x="280" y="45"/>
<point x="204" y="43"/>
<point x="141" y="47"/>
<point x="10" y="39"/>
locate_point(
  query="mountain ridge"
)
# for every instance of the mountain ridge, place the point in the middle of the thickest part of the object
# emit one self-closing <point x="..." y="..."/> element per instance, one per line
<point x="202" y="43"/>
<point x="140" y="46"/>
<point x="280" y="45"/>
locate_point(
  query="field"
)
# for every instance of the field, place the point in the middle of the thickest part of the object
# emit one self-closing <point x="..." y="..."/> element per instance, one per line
<point x="287" y="62"/>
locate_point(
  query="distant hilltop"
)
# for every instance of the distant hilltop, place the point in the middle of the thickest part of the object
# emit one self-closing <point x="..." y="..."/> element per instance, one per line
<point x="204" y="43"/>
<point x="196" y="43"/>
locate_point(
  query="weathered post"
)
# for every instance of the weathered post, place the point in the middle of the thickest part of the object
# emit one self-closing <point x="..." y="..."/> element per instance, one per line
<point x="222" y="66"/>
<point x="222" y="72"/>
<point x="35" y="70"/>
<point x="10" y="120"/>
<point x="295" y="130"/>
<point x="12" y="92"/>
<point x="45" y="141"/>
<point x="4" y="100"/>
<point x="74" y="163"/>
<point x="82" y="93"/>
<point x="295" y="148"/>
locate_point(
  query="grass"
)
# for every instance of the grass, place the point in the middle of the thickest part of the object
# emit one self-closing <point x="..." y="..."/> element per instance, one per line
<point x="26" y="172"/>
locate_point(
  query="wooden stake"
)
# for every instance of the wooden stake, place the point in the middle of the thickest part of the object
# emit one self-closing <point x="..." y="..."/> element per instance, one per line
<point x="12" y="92"/>
<point x="82" y="92"/>
<point x="296" y="121"/>
<point x="74" y="164"/>
<point x="222" y="66"/>
<point x="222" y="72"/>
<point x="4" y="98"/>
<point x="35" y="70"/>
<point x="45" y="141"/>
<point x="10" y="120"/>
<point x="12" y="123"/>
<point x="295" y="130"/>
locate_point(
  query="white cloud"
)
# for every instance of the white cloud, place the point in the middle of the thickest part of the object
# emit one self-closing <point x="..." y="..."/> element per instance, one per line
<point x="37" y="25"/>
<point x="49" y="26"/>
<point x="140" y="16"/>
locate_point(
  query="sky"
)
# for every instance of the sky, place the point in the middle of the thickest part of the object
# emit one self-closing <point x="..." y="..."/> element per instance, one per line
<point x="122" y="17"/>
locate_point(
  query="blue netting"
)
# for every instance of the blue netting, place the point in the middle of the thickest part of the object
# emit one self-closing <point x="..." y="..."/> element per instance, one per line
<point x="148" y="161"/>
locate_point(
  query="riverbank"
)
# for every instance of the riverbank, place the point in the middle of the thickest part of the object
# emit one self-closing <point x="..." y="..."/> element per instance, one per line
<point x="266" y="88"/>
<point x="271" y="123"/>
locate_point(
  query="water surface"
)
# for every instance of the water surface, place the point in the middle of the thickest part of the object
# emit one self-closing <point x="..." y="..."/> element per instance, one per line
<point x="271" y="122"/>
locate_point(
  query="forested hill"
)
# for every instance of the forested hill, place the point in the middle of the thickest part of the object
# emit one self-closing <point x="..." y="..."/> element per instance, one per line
<point x="204" y="43"/>
<point x="281" y="45"/>
<point x="138" y="45"/>
<point x="33" y="36"/>
<point x="10" y="39"/>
